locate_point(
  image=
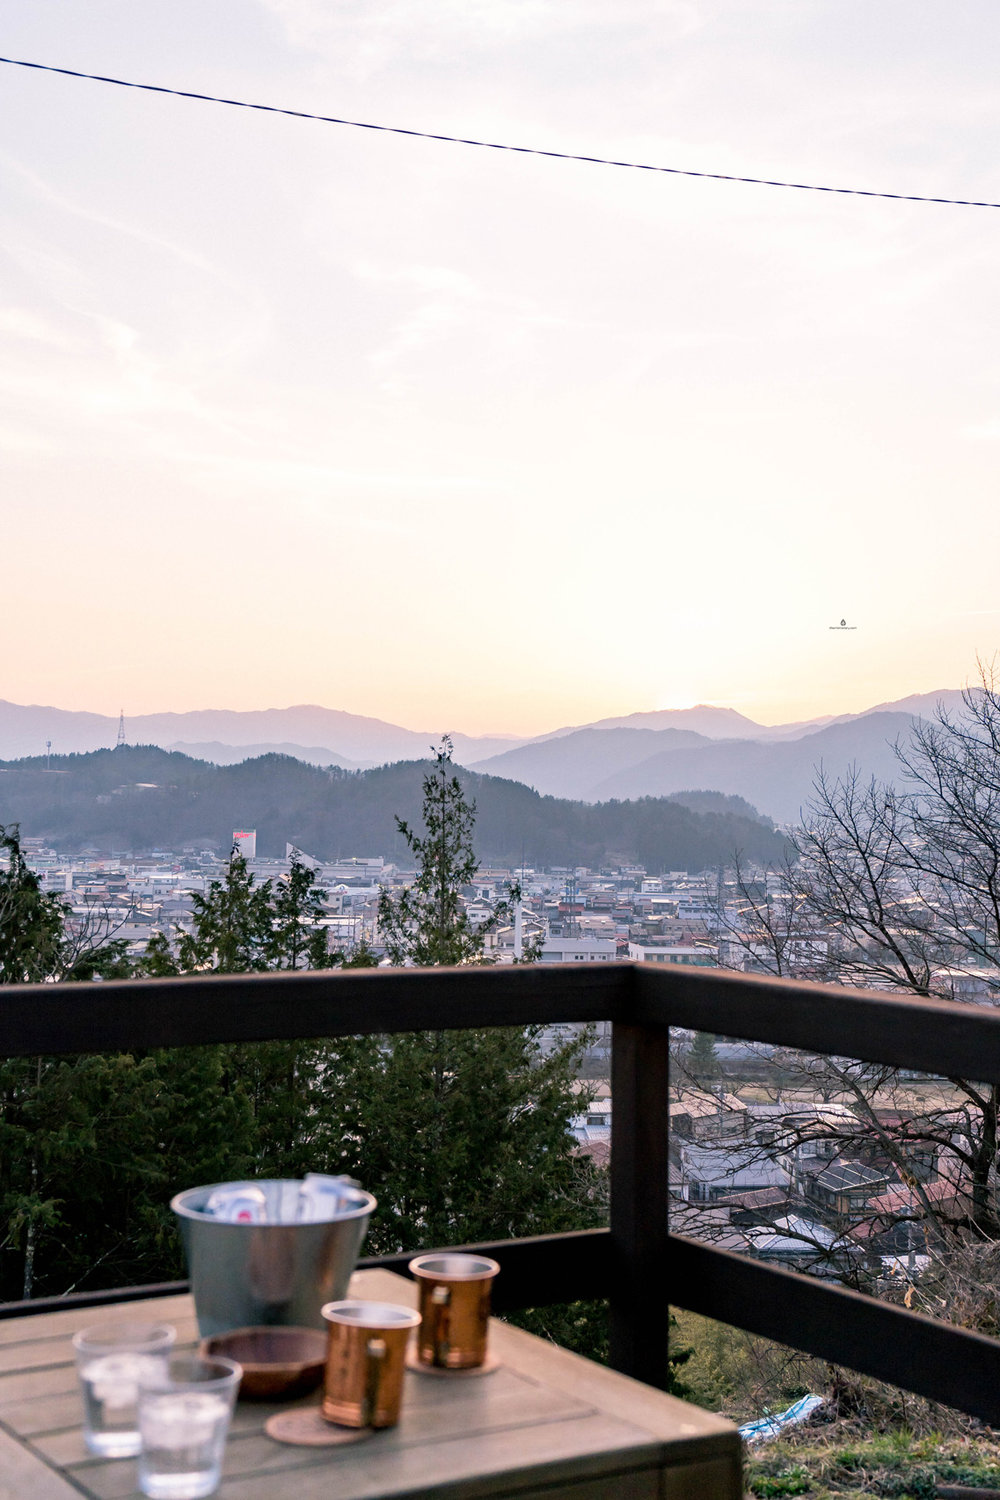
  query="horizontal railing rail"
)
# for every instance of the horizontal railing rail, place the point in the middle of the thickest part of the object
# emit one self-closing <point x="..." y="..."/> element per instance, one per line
<point x="636" y="1264"/>
<point x="122" y="1014"/>
<point x="537" y="1272"/>
<point x="942" y="1037"/>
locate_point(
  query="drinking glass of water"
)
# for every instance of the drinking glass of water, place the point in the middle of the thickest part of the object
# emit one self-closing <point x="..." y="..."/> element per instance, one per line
<point x="110" y="1357"/>
<point x="184" y="1412"/>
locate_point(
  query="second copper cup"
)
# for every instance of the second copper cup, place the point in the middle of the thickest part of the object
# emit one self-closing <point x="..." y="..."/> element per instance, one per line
<point x="366" y="1357"/>
<point x="454" y="1309"/>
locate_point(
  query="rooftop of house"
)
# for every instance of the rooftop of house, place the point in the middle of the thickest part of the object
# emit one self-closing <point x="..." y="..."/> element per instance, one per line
<point x="840" y="1176"/>
<point x="903" y="1201"/>
<point x="759" y="1199"/>
<point x="699" y="1103"/>
<point x="732" y="1162"/>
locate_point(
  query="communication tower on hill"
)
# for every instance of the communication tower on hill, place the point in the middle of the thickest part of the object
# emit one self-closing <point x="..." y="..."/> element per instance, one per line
<point x="121" y="730"/>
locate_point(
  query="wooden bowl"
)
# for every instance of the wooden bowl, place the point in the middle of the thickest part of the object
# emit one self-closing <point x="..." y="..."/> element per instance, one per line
<point x="278" y="1363"/>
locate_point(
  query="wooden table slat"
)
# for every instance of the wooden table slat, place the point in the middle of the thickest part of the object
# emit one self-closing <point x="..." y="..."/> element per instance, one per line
<point x="478" y="1465"/>
<point x="24" y="1476"/>
<point x="64" y="1324"/>
<point x="512" y="1403"/>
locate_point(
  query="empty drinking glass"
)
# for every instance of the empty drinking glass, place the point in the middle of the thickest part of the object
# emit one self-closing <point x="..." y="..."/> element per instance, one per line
<point x="110" y="1357"/>
<point x="184" y="1413"/>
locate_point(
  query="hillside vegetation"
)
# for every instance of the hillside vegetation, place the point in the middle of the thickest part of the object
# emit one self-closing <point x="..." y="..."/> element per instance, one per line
<point x="139" y="798"/>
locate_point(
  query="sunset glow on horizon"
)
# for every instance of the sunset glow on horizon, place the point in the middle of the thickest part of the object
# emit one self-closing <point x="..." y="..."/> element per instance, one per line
<point x="295" y="413"/>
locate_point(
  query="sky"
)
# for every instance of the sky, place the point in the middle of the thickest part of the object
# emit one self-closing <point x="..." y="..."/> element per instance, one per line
<point x="293" y="412"/>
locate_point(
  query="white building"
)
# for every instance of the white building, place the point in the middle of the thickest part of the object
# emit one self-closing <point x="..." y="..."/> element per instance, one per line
<point x="577" y="950"/>
<point x="650" y="953"/>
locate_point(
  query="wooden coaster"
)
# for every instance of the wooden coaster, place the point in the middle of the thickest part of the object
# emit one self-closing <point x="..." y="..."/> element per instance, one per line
<point x="305" y="1427"/>
<point x="488" y="1366"/>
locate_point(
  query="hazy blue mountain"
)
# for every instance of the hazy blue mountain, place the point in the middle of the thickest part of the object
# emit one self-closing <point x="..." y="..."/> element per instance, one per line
<point x="705" y="719"/>
<point x="572" y="764"/>
<point x="775" y="777"/>
<point x="24" y="728"/>
<point x="354" y="737"/>
<point x="350" y="738"/>
<point x="719" y="802"/>
<point x="231" y="755"/>
<point x="798" y="728"/>
<point x="773" y="770"/>
<point x="923" y="705"/>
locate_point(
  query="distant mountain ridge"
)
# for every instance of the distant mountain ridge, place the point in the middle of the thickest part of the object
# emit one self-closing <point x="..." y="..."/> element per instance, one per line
<point x="704" y="719"/>
<point x="345" y="738"/>
<point x="230" y="755"/>
<point x="655" y="753"/>
<point x="920" y="704"/>
<point x="571" y="765"/>
<point x="776" y="776"/>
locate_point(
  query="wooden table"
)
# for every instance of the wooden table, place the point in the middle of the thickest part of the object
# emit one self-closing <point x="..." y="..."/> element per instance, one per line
<point x="546" y="1423"/>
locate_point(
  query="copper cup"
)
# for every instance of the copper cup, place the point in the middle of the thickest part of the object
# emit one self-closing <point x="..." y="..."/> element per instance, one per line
<point x="454" y="1309"/>
<point x="365" y="1360"/>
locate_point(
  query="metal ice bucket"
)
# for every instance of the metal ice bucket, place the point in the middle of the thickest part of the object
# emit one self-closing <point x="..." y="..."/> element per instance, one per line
<point x="245" y="1275"/>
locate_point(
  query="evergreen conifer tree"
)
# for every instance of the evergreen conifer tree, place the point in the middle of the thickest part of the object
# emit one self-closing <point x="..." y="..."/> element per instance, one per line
<point x="240" y="926"/>
<point x="31" y="921"/>
<point x="461" y="1135"/>
<point x="298" y="940"/>
<point x="427" y="923"/>
<point x="702" y="1058"/>
<point x="232" y="925"/>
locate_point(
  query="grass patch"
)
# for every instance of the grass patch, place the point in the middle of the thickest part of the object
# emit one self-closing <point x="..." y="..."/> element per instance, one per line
<point x="869" y="1439"/>
<point x="832" y="1464"/>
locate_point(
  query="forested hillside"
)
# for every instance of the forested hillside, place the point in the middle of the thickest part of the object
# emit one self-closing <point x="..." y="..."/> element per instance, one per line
<point x="139" y="798"/>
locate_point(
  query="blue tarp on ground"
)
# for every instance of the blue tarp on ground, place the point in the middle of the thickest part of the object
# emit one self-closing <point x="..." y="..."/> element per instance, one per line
<point x="769" y="1427"/>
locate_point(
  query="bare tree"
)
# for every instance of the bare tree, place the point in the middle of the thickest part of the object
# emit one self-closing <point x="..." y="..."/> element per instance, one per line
<point x="904" y="884"/>
<point x="767" y="924"/>
<point x="952" y="765"/>
<point x="856" y="873"/>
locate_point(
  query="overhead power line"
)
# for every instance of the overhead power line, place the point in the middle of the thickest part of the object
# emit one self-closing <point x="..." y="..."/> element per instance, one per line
<point x="460" y="140"/>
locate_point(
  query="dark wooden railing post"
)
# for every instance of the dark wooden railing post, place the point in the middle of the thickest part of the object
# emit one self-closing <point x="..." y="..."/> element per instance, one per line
<point x="640" y="1300"/>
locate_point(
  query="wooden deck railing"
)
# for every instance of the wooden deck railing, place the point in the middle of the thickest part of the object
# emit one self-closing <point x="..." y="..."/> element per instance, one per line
<point x="636" y="1263"/>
